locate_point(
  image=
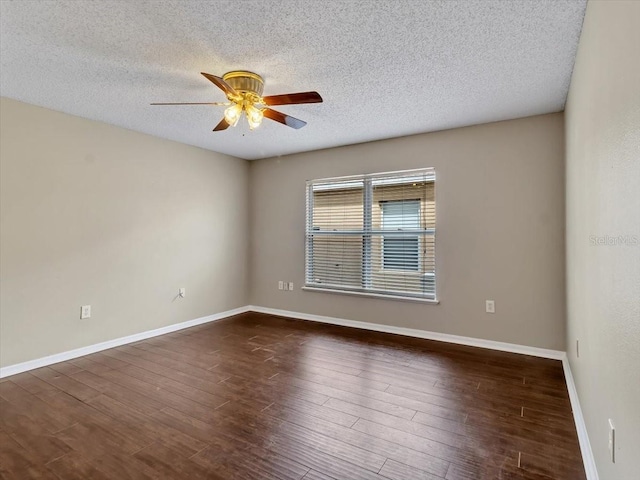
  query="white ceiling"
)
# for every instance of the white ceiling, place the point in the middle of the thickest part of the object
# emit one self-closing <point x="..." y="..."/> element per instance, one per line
<point x="385" y="68"/>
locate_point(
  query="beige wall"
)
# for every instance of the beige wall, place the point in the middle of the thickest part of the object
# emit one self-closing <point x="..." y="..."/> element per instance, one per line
<point x="603" y="199"/>
<point x="95" y="214"/>
<point x="500" y="230"/>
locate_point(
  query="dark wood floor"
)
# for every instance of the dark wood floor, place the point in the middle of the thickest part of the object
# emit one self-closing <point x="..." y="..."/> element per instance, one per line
<point x="262" y="397"/>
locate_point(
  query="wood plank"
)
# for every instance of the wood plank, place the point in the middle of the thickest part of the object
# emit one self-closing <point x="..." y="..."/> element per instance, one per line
<point x="381" y="446"/>
<point x="16" y="463"/>
<point x="147" y="404"/>
<point x="224" y="437"/>
<point x="34" y="408"/>
<point x="31" y="383"/>
<point x="74" y="466"/>
<point x="64" y="383"/>
<point x="313" y="475"/>
<point x="399" y="471"/>
<point x="373" y="399"/>
<point x="126" y="437"/>
<point x="41" y="446"/>
<point x="170" y="464"/>
<point x="167" y="436"/>
<point x="320" y="411"/>
<point x="89" y="365"/>
<point x="450" y="433"/>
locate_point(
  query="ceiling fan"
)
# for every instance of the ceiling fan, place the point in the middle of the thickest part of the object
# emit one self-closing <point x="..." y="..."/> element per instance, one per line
<point x="244" y="92"/>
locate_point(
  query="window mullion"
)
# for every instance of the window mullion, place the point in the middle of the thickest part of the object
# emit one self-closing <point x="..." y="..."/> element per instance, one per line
<point x="309" y="239"/>
<point x="366" y="237"/>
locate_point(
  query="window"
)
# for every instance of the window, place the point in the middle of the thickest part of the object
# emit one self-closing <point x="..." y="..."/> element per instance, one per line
<point x="401" y="253"/>
<point x="372" y="234"/>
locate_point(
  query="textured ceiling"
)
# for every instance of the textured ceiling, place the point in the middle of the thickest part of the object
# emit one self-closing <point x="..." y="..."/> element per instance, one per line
<point x="385" y="68"/>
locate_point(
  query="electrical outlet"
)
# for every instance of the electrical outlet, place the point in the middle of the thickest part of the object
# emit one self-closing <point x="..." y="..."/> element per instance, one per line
<point x="286" y="285"/>
<point x="490" y="306"/>
<point x="280" y="285"/>
<point x="290" y="285"/>
<point x="85" y="312"/>
<point x="182" y="292"/>
<point x="612" y="441"/>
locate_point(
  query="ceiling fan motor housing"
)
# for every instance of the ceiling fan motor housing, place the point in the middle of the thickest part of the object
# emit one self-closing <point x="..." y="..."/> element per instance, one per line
<point x="245" y="82"/>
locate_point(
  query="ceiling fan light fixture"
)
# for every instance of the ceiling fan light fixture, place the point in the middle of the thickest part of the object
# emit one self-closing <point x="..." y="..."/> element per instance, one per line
<point x="254" y="116"/>
<point x="233" y="114"/>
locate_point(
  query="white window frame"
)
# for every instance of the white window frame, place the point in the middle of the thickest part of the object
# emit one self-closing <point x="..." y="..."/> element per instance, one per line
<point x="367" y="182"/>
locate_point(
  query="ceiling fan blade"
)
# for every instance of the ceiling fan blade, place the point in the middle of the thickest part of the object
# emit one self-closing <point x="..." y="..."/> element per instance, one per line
<point x="223" y="125"/>
<point x="182" y="103"/>
<point x="287" y="120"/>
<point x="293" y="98"/>
<point x="221" y="84"/>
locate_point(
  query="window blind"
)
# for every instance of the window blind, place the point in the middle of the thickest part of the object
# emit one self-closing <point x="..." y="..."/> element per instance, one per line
<point x="401" y="252"/>
<point x="373" y="233"/>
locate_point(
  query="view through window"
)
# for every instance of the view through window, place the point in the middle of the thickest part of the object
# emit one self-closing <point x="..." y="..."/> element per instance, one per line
<point x="373" y="234"/>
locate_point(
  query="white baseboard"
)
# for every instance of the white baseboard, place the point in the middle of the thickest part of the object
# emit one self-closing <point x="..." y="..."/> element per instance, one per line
<point x="79" y="352"/>
<point x="412" y="332"/>
<point x="581" y="428"/>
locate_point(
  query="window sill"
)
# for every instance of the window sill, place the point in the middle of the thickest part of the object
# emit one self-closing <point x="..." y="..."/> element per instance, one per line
<point x="372" y="295"/>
